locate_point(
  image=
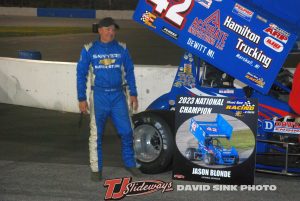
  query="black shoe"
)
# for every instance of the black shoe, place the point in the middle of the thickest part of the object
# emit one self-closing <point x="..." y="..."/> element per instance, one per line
<point x="134" y="171"/>
<point x="96" y="176"/>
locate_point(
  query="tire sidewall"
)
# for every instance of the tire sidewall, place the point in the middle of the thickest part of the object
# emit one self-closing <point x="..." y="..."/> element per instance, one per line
<point x="168" y="143"/>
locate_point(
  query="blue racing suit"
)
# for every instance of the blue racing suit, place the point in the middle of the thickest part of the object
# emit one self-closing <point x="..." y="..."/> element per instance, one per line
<point x="109" y="65"/>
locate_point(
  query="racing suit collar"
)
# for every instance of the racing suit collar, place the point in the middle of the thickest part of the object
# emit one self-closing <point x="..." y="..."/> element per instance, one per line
<point x="106" y="44"/>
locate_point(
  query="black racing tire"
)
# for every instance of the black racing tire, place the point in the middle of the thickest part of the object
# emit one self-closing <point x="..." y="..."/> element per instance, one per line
<point x="209" y="159"/>
<point x="160" y="125"/>
<point x="190" y="153"/>
<point x="236" y="160"/>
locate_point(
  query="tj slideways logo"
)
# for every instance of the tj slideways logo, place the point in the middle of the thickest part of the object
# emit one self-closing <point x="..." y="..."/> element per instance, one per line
<point x="121" y="187"/>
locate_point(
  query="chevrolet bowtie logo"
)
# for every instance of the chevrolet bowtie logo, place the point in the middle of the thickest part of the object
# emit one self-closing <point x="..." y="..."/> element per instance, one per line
<point x="107" y="62"/>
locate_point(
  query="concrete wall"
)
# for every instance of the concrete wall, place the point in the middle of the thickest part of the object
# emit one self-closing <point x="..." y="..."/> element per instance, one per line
<point x="116" y="14"/>
<point x="13" y="11"/>
<point x="52" y="85"/>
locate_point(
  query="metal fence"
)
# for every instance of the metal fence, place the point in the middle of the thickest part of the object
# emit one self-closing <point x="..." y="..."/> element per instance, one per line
<point x="84" y="4"/>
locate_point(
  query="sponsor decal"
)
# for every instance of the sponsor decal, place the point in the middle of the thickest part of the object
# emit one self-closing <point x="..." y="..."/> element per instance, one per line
<point x="187" y="69"/>
<point x="243" y="12"/>
<point x="170" y="33"/>
<point x="244" y="30"/>
<point x="209" y="30"/>
<point x="240" y="107"/>
<point x="244" y="59"/>
<point x="120" y="187"/>
<point x="261" y="18"/>
<point x="107" y="62"/>
<point x="177" y="84"/>
<point x="273" y="44"/>
<point x="106" y="56"/>
<point x="278" y="33"/>
<point x="226" y="91"/>
<point x="148" y="18"/>
<point x="281" y="127"/>
<point x="248" y="34"/>
<point x="185" y="79"/>
<point x="179" y="176"/>
<point x="205" y="3"/>
<point x="259" y="81"/>
<point x="254" y="53"/>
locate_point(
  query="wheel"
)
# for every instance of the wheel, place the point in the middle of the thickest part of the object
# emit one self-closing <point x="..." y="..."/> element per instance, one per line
<point x="153" y="140"/>
<point x="236" y="160"/>
<point x="209" y="159"/>
<point x="190" y="153"/>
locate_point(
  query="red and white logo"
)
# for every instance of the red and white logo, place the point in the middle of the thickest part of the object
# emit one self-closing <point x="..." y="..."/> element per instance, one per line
<point x="273" y="44"/>
<point x="120" y="187"/>
<point x="243" y="9"/>
<point x="277" y="33"/>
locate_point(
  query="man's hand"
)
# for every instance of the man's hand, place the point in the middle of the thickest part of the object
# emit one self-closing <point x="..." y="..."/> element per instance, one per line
<point x="83" y="106"/>
<point x="134" y="103"/>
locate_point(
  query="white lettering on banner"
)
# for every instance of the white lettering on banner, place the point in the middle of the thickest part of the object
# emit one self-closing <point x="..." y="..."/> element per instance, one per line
<point x="241" y="30"/>
<point x="221" y="187"/>
<point x="268" y="125"/>
<point x="195" y="110"/>
<point x="105" y="56"/>
<point x="209" y="101"/>
<point x="106" y="66"/>
<point x="193" y="187"/>
<point x="225" y="187"/>
<point x="258" y="188"/>
<point x="220" y="173"/>
<point x="254" y="53"/>
<point x="200" y="171"/>
<point x="244" y="59"/>
<point x="196" y="45"/>
<point x="211" y="172"/>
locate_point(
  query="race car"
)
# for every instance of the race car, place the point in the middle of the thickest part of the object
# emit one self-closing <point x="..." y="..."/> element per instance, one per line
<point x="210" y="148"/>
<point x="154" y="140"/>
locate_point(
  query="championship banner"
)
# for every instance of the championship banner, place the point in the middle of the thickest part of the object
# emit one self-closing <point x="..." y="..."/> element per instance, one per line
<point x="215" y="139"/>
<point x="236" y="38"/>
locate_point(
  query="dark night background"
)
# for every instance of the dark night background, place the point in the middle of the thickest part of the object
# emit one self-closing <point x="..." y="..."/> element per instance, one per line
<point x="84" y="4"/>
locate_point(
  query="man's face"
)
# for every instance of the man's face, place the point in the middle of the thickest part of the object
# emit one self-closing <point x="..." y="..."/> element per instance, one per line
<point x="107" y="34"/>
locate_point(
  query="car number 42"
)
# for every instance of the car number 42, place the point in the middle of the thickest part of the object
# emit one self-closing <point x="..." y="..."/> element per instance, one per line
<point x="174" y="13"/>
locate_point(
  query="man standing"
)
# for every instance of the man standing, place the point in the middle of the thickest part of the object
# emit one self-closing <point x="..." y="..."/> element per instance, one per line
<point x="110" y="65"/>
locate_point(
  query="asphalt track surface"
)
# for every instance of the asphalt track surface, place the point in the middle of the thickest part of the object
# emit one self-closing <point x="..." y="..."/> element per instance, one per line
<point x="44" y="157"/>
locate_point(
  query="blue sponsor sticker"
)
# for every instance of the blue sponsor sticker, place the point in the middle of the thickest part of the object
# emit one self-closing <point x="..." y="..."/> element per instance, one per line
<point x="268" y="125"/>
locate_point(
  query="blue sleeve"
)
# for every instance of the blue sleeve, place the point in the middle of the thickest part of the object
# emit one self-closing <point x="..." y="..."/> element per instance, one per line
<point x="129" y="73"/>
<point x="82" y="73"/>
